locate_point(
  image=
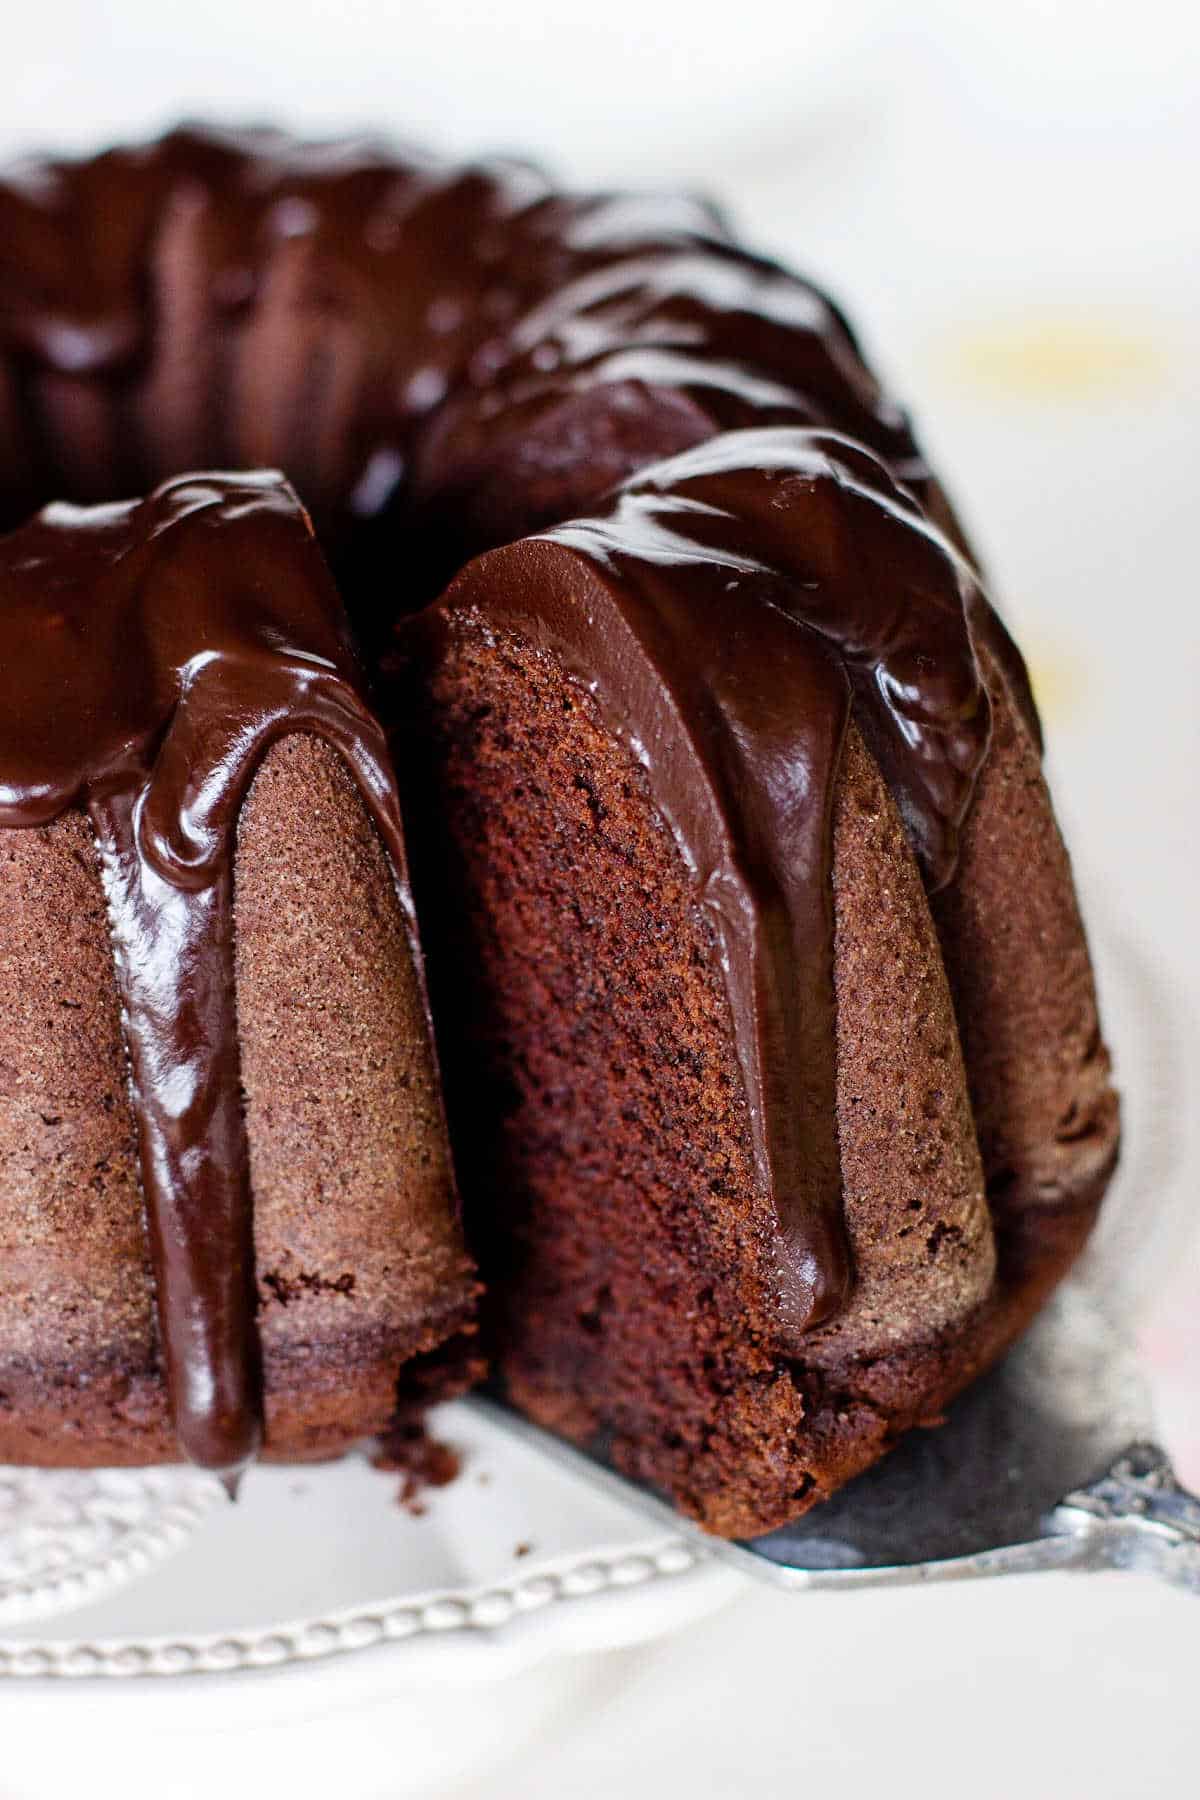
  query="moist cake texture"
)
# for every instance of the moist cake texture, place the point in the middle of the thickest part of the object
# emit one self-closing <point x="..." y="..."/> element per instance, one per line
<point x="591" y="799"/>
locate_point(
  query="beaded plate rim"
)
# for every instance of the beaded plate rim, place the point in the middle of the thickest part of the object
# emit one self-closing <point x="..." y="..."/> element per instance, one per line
<point x="490" y="1612"/>
<point x="184" y="1500"/>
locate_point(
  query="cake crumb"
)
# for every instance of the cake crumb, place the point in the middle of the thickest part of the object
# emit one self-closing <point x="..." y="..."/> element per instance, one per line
<point x="424" y="1461"/>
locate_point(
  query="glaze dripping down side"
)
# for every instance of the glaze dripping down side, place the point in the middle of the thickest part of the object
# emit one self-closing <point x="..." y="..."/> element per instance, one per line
<point x="728" y="608"/>
<point x="155" y="651"/>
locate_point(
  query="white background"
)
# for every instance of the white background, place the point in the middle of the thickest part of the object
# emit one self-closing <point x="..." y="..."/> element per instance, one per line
<point x="1006" y="198"/>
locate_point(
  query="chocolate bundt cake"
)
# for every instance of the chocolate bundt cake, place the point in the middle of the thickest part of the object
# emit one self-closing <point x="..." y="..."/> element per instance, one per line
<point x="772" y="1065"/>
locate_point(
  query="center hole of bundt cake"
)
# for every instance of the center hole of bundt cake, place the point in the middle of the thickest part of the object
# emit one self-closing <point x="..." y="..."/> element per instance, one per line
<point x="80" y="465"/>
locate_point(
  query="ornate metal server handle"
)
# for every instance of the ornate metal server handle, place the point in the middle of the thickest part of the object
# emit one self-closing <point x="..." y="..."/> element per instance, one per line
<point x="1137" y="1516"/>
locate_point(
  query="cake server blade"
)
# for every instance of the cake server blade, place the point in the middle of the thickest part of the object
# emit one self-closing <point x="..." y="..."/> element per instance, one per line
<point x="1048" y="1462"/>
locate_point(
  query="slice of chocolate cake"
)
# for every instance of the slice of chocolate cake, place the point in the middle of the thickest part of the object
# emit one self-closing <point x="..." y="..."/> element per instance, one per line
<point x="682" y="768"/>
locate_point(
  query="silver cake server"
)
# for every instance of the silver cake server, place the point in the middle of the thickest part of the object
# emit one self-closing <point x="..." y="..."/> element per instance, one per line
<point x="1047" y="1463"/>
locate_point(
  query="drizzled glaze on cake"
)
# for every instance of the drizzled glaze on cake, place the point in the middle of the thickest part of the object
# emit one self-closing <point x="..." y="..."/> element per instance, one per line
<point x="390" y="330"/>
<point x="726" y="608"/>
<point x="153" y="652"/>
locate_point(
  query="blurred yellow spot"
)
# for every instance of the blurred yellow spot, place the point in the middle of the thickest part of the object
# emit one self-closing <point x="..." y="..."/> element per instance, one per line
<point x="1060" y="681"/>
<point x="1058" y="356"/>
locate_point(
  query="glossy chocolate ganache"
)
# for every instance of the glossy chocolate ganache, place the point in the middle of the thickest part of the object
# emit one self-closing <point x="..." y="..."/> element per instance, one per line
<point x="460" y="344"/>
<point x="444" y="360"/>
<point x="727" y="608"/>
<point x="152" y="653"/>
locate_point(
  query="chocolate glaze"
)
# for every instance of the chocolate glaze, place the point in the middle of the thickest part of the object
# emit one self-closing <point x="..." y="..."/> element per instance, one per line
<point x="466" y="355"/>
<point x="726" y="608"/>
<point x="153" y="652"/>
<point x="394" y="332"/>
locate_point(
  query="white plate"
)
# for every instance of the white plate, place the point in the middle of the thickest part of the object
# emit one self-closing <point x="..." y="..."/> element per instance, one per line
<point x="433" y="1645"/>
<point x="317" y="1563"/>
<point x="322" y="1573"/>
